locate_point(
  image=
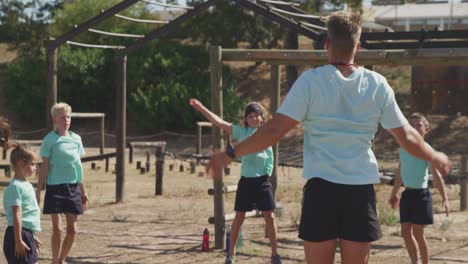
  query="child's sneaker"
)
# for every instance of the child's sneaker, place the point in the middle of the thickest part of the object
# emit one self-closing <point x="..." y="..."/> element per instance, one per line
<point x="229" y="259"/>
<point x="276" y="259"/>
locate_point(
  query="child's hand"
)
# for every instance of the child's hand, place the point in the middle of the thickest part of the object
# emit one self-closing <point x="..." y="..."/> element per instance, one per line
<point x="195" y="103"/>
<point x="21" y="249"/>
<point x="445" y="205"/>
<point x="85" y="201"/>
<point x="394" y="201"/>
<point x="38" y="244"/>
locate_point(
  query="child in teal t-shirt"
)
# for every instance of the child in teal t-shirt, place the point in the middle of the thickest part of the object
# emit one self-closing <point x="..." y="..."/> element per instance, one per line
<point x="61" y="152"/>
<point x="416" y="201"/>
<point x="22" y="211"/>
<point x="254" y="187"/>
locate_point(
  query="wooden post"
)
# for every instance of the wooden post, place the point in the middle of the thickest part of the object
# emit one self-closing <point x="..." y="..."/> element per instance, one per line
<point x="159" y="170"/>
<point x="130" y="153"/>
<point x="193" y="167"/>
<point x="107" y="165"/>
<point x="147" y="165"/>
<point x="51" y="81"/>
<point x="4" y="153"/>
<point x="217" y="142"/>
<point x="199" y="141"/>
<point x="274" y="104"/>
<point x="101" y="147"/>
<point x="464" y="184"/>
<point x="121" y="126"/>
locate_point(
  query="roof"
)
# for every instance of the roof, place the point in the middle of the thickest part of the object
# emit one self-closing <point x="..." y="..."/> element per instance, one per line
<point x="419" y="11"/>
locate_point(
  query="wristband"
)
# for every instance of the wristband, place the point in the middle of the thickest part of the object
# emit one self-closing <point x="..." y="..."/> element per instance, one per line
<point x="230" y="151"/>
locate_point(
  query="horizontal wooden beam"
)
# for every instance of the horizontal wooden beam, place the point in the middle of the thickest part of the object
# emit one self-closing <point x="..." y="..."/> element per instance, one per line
<point x="415" y="35"/>
<point x="455" y="56"/>
<point x="88" y="115"/>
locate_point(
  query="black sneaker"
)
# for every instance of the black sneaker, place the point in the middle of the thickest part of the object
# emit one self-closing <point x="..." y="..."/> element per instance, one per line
<point x="230" y="259"/>
<point x="276" y="259"/>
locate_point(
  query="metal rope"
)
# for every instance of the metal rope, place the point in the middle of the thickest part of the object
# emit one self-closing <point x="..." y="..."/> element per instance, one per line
<point x="115" y="34"/>
<point x="94" y="46"/>
<point x="280" y="3"/>
<point x="167" y="5"/>
<point x="142" y="20"/>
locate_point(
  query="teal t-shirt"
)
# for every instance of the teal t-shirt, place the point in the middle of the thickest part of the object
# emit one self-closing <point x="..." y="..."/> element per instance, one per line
<point x="22" y="194"/>
<point x="64" y="154"/>
<point x="341" y="116"/>
<point x="256" y="164"/>
<point x="414" y="172"/>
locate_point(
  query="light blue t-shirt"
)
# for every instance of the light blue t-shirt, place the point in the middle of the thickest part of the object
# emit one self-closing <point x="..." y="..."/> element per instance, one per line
<point x="22" y="194"/>
<point x="341" y="116"/>
<point x="64" y="154"/>
<point x="256" y="164"/>
<point x="414" y="172"/>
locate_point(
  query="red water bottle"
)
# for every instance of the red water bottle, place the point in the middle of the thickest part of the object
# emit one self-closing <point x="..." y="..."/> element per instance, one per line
<point x="206" y="241"/>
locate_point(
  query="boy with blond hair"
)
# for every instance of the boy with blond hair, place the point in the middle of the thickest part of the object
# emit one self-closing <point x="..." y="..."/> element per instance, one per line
<point x="341" y="105"/>
<point x="416" y="201"/>
<point x="61" y="152"/>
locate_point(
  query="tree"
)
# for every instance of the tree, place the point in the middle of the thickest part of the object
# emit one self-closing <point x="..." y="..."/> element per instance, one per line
<point x="24" y="23"/>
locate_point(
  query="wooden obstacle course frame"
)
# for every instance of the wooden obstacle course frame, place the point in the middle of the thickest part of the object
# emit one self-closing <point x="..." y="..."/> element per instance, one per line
<point x="105" y="156"/>
<point x="102" y="118"/>
<point x="142" y="144"/>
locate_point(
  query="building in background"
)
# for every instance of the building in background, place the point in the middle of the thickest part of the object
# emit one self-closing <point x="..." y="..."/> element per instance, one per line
<point x="443" y="15"/>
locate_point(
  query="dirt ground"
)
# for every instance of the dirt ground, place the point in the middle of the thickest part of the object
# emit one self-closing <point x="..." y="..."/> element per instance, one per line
<point x="168" y="228"/>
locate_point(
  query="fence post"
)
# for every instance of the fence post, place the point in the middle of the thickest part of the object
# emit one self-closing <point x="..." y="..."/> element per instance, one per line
<point x="147" y="165"/>
<point x="217" y="142"/>
<point x="103" y="135"/>
<point x="130" y="153"/>
<point x="464" y="184"/>
<point x="199" y="141"/>
<point x="159" y="170"/>
<point x="4" y="153"/>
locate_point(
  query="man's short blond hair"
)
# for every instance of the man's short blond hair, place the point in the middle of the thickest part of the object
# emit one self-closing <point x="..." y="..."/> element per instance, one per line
<point x="344" y="31"/>
<point x="61" y="106"/>
<point x="421" y="117"/>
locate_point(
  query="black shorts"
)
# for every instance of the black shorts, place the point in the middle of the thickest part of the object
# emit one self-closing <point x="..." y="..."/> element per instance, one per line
<point x="338" y="211"/>
<point x="416" y="207"/>
<point x="9" y="246"/>
<point x="254" y="193"/>
<point x="63" y="198"/>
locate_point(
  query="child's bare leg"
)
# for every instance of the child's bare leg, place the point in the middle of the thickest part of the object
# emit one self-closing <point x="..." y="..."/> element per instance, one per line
<point x="236" y="225"/>
<point x="72" y="227"/>
<point x="56" y="239"/>
<point x="418" y="231"/>
<point x="410" y="241"/>
<point x="353" y="252"/>
<point x="271" y="230"/>
<point x="320" y="252"/>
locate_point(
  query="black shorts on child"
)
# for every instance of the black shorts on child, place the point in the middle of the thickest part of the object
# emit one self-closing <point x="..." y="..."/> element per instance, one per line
<point x="9" y="247"/>
<point x="338" y="211"/>
<point x="416" y="207"/>
<point x="254" y="193"/>
<point x="63" y="198"/>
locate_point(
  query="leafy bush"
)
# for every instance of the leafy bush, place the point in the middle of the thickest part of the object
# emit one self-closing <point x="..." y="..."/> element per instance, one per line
<point x="161" y="78"/>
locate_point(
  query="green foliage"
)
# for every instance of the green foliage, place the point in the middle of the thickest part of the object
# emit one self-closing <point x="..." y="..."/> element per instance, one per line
<point x="23" y="24"/>
<point x="25" y="88"/>
<point x="228" y="25"/>
<point x="174" y="74"/>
